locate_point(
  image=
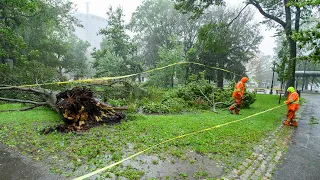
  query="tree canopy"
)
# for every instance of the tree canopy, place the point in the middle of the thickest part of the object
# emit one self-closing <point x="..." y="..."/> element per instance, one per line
<point x="118" y="51"/>
<point x="37" y="42"/>
<point x="279" y="14"/>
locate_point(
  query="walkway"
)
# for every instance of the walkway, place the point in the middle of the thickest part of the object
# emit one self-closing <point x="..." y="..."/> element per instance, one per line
<point x="302" y="161"/>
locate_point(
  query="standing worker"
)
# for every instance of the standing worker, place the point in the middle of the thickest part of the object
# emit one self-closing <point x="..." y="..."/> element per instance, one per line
<point x="238" y="95"/>
<point x="292" y="107"/>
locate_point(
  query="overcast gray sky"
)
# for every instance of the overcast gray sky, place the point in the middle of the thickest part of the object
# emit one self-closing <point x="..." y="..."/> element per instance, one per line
<point x="99" y="8"/>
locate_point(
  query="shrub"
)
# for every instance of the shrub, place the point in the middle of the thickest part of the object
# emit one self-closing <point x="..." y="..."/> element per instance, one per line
<point x="175" y="105"/>
<point x="249" y="98"/>
<point x="155" y="107"/>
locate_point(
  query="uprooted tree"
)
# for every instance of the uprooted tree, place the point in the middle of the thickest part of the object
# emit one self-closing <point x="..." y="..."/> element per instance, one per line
<point x="78" y="107"/>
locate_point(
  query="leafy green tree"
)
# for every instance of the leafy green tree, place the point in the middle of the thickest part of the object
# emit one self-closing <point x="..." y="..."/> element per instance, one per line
<point x="49" y="34"/>
<point x="14" y="14"/>
<point x="196" y="7"/>
<point x="168" y="76"/>
<point x="155" y="22"/>
<point x="283" y="59"/>
<point x="118" y="53"/>
<point x="36" y="36"/>
<point x="284" y="21"/>
<point x="227" y="45"/>
<point x="73" y="59"/>
<point x="115" y="36"/>
<point x="108" y="64"/>
<point x="78" y="52"/>
<point x="309" y="38"/>
<point x="277" y="13"/>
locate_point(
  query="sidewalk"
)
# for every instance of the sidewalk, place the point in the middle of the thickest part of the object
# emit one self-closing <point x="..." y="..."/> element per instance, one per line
<point x="269" y="160"/>
<point x="302" y="161"/>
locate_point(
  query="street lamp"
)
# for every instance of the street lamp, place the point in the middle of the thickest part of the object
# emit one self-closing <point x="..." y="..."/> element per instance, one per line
<point x="274" y="64"/>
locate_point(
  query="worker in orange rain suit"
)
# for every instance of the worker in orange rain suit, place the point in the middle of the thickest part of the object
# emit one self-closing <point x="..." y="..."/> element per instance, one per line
<point x="292" y="107"/>
<point x="238" y="95"/>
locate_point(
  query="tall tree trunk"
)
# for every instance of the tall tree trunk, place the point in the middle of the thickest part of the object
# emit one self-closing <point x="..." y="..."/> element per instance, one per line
<point x="287" y="26"/>
<point x="172" y="77"/>
<point x="220" y="79"/>
<point x="187" y="73"/>
<point x="220" y="74"/>
<point x="292" y="64"/>
<point x="292" y="45"/>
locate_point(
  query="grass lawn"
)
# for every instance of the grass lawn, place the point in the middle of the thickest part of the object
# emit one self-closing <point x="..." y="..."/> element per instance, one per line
<point x="77" y="154"/>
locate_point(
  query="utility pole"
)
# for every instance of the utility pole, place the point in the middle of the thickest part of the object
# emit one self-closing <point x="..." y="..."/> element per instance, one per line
<point x="273" y="69"/>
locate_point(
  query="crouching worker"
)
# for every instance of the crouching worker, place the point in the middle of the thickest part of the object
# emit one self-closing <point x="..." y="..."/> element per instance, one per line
<point x="238" y="95"/>
<point x="292" y="107"/>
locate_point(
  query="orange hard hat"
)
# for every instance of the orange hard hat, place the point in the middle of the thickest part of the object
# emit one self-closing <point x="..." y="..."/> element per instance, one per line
<point x="244" y="79"/>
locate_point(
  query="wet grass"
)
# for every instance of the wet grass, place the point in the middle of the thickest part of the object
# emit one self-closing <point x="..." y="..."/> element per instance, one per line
<point x="77" y="154"/>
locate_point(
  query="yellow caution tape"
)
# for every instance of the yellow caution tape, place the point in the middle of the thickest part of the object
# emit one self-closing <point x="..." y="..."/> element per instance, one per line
<point x="130" y="75"/>
<point x="168" y="140"/>
<point x="116" y="77"/>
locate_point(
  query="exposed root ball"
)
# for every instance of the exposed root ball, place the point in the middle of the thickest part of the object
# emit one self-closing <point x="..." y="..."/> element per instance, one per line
<point x="81" y="111"/>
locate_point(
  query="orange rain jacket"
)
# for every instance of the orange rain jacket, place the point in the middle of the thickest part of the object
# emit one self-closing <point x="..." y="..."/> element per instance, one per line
<point x="239" y="88"/>
<point x="293" y="101"/>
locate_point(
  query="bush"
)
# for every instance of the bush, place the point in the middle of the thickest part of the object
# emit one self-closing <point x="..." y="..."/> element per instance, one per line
<point x="223" y="95"/>
<point x="117" y="102"/>
<point x="175" y="105"/>
<point x="249" y="98"/>
<point x="155" y="107"/>
<point x="128" y="90"/>
<point x="196" y="94"/>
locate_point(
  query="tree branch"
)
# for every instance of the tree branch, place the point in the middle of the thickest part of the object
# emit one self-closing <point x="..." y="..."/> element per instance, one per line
<point x="23" y="109"/>
<point x="257" y="5"/>
<point x="237" y="15"/>
<point x="16" y="10"/>
<point x="48" y="97"/>
<point x="23" y="101"/>
<point x="36" y="91"/>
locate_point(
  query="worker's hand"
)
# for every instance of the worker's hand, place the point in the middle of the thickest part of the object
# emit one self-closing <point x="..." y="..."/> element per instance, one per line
<point x="284" y="102"/>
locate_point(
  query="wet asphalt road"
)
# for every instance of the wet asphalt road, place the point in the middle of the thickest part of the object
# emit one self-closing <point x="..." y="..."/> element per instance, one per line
<point x="302" y="161"/>
<point x="16" y="167"/>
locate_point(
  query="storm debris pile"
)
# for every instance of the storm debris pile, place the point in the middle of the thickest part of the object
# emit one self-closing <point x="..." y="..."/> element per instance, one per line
<point x="81" y="111"/>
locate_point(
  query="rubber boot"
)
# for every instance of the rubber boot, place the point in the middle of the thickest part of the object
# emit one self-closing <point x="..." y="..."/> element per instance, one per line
<point x="231" y="108"/>
<point x="294" y="123"/>
<point x="287" y="123"/>
<point x="237" y="110"/>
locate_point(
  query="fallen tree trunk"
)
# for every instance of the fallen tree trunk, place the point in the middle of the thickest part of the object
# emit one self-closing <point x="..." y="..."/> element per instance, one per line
<point x="35" y="104"/>
<point x="47" y="97"/>
<point x="78" y="107"/>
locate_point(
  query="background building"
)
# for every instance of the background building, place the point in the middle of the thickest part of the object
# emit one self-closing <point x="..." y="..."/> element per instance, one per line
<point x="92" y="24"/>
<point x="91" y="27"/>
